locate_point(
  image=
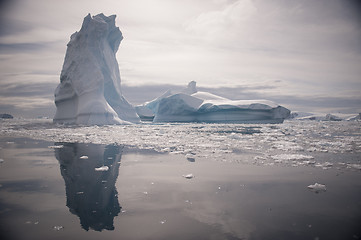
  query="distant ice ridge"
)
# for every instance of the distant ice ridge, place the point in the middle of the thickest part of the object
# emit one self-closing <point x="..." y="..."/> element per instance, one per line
<point x="89" y="91"/>
<point x="325" y="117"/>
<point x="191" y="105"/>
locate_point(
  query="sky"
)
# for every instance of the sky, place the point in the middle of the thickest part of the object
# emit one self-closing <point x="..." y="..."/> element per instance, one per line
<point x="304" y="54"/>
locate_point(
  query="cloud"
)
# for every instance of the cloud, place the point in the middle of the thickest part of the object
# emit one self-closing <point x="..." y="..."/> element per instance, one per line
<point x="276" y="49"/>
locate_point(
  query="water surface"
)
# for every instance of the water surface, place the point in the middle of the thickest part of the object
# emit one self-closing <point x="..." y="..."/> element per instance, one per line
<point x="74" y="190"/>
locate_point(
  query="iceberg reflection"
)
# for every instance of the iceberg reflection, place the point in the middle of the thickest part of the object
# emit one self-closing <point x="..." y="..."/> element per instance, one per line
<point x="90" y="172"/>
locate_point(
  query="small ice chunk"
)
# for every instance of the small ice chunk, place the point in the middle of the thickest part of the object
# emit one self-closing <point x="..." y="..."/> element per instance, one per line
<point x="356" y="166"/>
<point x="102" y="169"/>
<point x="58" y="228"/>
<point x="1" y="160"/>
<point x="291" y="157"/>
<point x="163" y="221"/>
<point x="317" y="187"/>
<point x="190" y="157"/>
<point x="188" y="176"/>
<point x="84" y="157"/>
<point x="56" y="146"/>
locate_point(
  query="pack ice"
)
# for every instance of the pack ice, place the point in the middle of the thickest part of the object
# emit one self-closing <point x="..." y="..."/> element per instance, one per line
<point x="89" y="91"/>
<point x="191" y="105"/>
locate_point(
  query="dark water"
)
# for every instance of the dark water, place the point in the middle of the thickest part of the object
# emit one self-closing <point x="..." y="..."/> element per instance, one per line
<point x="61" y="193"/>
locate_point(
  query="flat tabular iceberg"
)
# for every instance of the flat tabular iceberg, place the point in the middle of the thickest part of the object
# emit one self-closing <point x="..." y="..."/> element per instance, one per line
<point x="89" y="91"/>
<point x="191" y="105"/>
<point x="325" y="117"/>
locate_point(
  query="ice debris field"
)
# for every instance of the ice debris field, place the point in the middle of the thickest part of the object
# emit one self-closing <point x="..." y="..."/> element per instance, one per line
<point x="294" y="143"/>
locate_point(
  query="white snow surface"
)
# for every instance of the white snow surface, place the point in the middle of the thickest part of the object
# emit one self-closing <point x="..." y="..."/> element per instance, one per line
<point x="89" y="91"/>
<point x="317" y="187"/>
<point x="191" y="105"/>
<point x="325" y="116"/>
<point x="207" y="107"/>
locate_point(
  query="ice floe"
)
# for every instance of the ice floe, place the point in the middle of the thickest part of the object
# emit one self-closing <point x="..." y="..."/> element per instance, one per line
<point x="188" y="176"/>
<point x="317" y="187"/>
<point x="102" y="169"/>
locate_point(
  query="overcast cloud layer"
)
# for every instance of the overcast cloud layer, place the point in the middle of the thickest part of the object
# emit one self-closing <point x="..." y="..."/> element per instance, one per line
<point x="305" y="54"/>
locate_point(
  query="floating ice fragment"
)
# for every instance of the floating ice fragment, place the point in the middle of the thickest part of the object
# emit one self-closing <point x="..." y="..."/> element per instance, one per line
<point x="188" y="201"/>
<point x="56" y="146"/>
<point x="190" y="157"/>
<point x="325" y="165"/>
<point x="80" y="193"/>
<point x="58" y="228"/>
<point x="102" y="169"/>
<point x="290" y="157"/>
<point x="1" y="160"/>
<point x="84" y="157"/>
<point x="317" y="187"/>
<point x="234" y="136"/>
<point x="163" y="221"/>
<point x="188" y="176"/>
<point x="356" y="166"/>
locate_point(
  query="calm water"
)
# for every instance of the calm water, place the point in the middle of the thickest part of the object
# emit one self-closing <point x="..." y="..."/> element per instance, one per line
<point x="69" y="190"/>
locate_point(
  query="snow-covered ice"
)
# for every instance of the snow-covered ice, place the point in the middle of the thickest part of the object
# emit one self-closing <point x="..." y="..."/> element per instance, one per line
<point x="89" y="91"/>
<point x="188" y="176"/>
<point x="191" y="105"/>
<point x="321" y="144"/>
<point x="317" y="187"/>
<point x="195" y="106"/>
<point x="102" y="169"/>
<point x="325" y="117"/>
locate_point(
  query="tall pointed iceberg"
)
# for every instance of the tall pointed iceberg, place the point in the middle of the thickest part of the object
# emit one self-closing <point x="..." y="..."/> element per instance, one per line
<point x="89" y="91"/>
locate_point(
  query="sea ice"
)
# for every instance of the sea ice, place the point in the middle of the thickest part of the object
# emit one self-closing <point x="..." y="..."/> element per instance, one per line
<point x="317" y="187"/>
<point x="84" y="157"/>
<point x="89" y="91"/>
<point x="102" y="169"/>
<point x="355" y="166"/>
<point x="291" y="157"/>
<point x="56" y="146"/>
<point x="190" y="157"/>
<point x="188" y="176"/>
<point x="325" y="117"/>
<point x="58" y="228"/>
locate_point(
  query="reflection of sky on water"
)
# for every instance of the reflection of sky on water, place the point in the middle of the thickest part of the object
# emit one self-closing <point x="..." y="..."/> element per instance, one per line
<point x="91" y="194"/>
<point x="225" y="200"/>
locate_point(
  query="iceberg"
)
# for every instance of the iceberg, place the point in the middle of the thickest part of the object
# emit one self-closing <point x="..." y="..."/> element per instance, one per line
<point x="191" y="105"/>
<point x="147" y="110"/>
<point x="89" y="91"/>
<point x="325" y="117"/>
